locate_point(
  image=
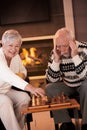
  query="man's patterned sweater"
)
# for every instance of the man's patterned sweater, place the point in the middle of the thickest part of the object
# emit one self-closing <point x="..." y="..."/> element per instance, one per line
<point x="72" y="71"/>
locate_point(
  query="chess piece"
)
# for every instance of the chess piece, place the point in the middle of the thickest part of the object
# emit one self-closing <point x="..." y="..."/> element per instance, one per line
<point x="44" y="100"/>
<point x="49" y="99"/>
<point x="63" y="98"/>
<point x="33" y="100"/>
<point x="38" y="101"/>
<point x="54" y="99"/>
<point x="58" y="99"/>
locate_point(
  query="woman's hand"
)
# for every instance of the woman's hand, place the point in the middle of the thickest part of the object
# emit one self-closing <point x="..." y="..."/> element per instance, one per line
<point x="34" y="90"/>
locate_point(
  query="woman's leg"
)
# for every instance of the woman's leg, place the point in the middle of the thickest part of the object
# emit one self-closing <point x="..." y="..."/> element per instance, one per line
<point x="19" y="98"/>
<point x="7" y="114"/>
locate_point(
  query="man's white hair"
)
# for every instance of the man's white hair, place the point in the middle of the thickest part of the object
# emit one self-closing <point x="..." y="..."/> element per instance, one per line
<point x="64" y="32"/>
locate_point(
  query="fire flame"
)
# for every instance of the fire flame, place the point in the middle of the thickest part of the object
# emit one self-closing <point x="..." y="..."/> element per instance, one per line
<point x="29" y="57"/>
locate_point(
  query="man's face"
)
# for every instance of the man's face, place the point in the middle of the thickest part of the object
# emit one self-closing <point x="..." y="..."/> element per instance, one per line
<point x="11" y="49"/>
<point x="62" y="45"/>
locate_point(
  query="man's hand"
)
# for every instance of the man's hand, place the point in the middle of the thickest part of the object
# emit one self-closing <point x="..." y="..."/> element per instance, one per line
<point x="57" y="53"/>
<point x="74" y="49"/>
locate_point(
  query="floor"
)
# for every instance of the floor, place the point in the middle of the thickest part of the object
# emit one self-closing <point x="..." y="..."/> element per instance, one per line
<point x="80" y="123"/>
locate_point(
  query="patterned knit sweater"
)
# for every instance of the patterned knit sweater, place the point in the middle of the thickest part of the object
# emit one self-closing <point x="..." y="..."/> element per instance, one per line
<point x="72" y="71"/>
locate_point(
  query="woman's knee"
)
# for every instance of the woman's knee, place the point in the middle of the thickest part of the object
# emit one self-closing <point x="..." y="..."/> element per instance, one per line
<point x="6" y="101"/>
<point x="26" y="98"/>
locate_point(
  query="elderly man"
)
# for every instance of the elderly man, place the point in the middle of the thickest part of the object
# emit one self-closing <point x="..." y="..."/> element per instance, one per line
<point x="66" y="73"/>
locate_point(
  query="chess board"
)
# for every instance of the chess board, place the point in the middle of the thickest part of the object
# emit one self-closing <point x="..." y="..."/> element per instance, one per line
<point x="39" y="104"/>
<point x="46" y="104"/>
<point x="45" y="101"/>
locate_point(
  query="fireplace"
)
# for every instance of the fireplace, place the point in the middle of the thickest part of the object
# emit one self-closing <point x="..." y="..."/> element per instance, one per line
<point x="35" y="55"/>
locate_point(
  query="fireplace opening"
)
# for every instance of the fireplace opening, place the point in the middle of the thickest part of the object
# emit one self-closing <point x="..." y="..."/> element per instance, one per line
<point x="35" y="55"/>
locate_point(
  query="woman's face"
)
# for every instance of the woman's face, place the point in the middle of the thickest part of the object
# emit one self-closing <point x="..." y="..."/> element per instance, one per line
<point x="11" y="49"/>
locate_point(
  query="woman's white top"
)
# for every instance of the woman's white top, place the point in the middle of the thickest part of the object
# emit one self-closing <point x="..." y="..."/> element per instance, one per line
<point x="8" y="77"/>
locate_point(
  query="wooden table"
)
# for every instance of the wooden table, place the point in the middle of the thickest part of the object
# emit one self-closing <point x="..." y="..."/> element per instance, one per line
<point x="72" y="104"/>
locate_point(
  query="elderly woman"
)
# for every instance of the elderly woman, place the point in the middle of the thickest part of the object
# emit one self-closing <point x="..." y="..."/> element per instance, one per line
<point x="66" y="72"/>
<point x="11" y="101"/>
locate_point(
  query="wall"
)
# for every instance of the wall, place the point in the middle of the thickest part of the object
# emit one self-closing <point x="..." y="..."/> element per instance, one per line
<point x="57" y="20"/>
<point x="41" y="28"/>
<point x="80" y="19"/>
